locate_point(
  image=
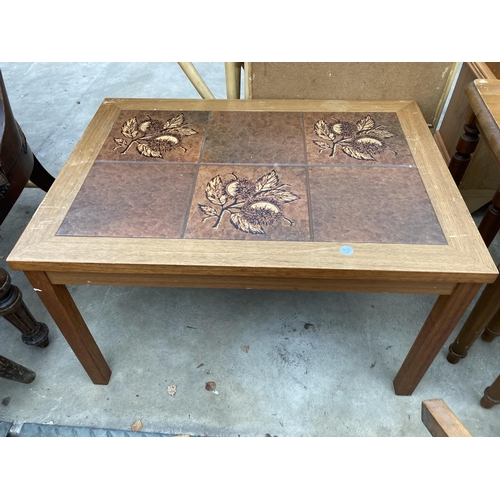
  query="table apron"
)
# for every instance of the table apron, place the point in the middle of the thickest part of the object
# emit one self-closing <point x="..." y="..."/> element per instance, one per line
<point x="251" y="282"/>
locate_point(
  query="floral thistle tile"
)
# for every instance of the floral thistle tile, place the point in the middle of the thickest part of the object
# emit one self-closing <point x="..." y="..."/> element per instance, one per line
<point x="368" y="139"/>
<point x="253" y="137"/>
<point x="160" y="136"/>
<point x="372" y="205"/>
<point x="249" y="203"/>
<point x="131" y="201"/>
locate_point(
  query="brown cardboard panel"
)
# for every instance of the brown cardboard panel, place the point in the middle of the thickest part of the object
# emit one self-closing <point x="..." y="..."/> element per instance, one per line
<point x="423" y="82"/>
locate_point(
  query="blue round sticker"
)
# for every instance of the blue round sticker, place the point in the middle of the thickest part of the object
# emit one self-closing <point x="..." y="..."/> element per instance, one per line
<point x="346" y="250"/>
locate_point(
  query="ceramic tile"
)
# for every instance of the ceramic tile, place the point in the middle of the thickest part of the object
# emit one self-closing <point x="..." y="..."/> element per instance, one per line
<point x="368" y="139"/>
<point x="165" y="136"/>
<point x="372" y="205"/>
<point x="254" y="137"/>
<point x="249" y="203"/>
<point x="131" y="200"/>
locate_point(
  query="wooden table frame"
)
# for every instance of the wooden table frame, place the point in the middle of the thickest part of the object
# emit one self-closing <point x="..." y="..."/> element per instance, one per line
<point x="454" y="271"/>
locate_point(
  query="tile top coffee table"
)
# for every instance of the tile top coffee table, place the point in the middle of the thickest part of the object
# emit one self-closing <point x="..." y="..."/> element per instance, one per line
<point x="292" y="195"/>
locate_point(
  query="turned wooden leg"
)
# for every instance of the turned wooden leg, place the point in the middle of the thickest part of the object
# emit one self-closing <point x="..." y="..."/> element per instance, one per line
<point x="442" y="319"/>
<point x="13" y="371"/>
<point x="67" y="317"/>
<point x="490" y="223"/>
<point x="491" y="395"/>
<point x="40" y="176"/>
<point x="465" y="147"/>
<point x="484" y="310"/>
<point x="492" y="329"/>
<point x="13" y="309"/>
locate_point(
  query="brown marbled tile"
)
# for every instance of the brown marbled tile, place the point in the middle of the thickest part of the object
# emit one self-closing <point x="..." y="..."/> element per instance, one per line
<point x="131" y="201"/>
<point x="372" y="205"/>
<point x="237" y="137"/>
<point x="169" y="136"/>
<point x="249" y="203"/>
<point x="369" y="134"/>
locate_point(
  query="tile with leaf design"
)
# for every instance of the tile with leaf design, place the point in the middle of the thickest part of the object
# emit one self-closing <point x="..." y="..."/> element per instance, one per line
<point x="164" y="136"/>
<point x="372" y="205"/>
<point x="130" y="200"/>
<point x="237" y="137"/>
<point x="250" y="203"/>
<point x="368" y="139"/>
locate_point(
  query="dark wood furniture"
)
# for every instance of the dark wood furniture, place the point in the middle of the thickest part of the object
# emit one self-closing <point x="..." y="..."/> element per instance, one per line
<point x="18" y="164"/>
<point x="482" y="176"/>
<point x="484" y="98"/>
<point x="273" y="194"/>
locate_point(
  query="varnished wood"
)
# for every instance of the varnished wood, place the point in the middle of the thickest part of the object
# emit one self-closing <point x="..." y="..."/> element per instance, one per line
<point x="490" y="223"/>
<point x="491" y="395"/>
<point x="16" y="372"/>
<point x="483" y="311"/>
<point x="465" y="147"/>
<point x="465" y="258"/>
<point x="482" y="176"/>
<point x="454" y="270"/>
<point x="13" y="309"/>
<point x="251" y="282"/>
<point x="67" y="317"/>
<point x="233" y="79"/>
<point x="441" y="421"/>
<point x="194" y="77"/>
<point x="17" y="162"/>
<point x="492" y="329"/>
<point x="441" y="321"/>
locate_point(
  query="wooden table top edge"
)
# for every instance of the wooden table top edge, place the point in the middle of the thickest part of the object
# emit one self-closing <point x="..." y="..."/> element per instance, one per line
<point x="472" y="256"/>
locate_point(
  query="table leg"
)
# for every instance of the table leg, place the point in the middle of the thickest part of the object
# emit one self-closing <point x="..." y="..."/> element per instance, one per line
<point x="442" y="319"/>
<point x="484" y="310"/>
<point x="63" y="310"/>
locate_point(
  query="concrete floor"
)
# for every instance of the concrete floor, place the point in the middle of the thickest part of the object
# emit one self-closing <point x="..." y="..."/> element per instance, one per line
<point x="317" y="364"/>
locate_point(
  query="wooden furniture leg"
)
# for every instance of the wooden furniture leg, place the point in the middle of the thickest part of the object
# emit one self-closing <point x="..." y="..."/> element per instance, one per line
<point x="40" y="177"/>
<point x="441" y="421"/>
<point x="15" y="372"/>
<point x="492" y="329"/>
<point x="482" y="313"/>
<point x="233" y="79"/>
<point x="441" y="321"/>
<point x="490" y="223"/>
<point x="13" y="309"/>
<point x="67" y="317"/>
<point x="467" y="144"/>
<point x="491" y="395"/>
<point x="195" y="78"/>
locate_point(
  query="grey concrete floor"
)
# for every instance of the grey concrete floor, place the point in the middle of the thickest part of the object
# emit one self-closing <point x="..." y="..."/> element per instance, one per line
<point x="317" y="364"/>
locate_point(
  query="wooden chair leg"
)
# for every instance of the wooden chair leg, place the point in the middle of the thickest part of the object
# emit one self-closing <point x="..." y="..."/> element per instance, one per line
<point x="465" y="147"/>
<point x="13" y="309"/>
<point x="490" y="223"/>
<point x="492" y="330"/>
<point x="15" y="372"/>
<point x="233" y="80"/>
<point x="491" y="395"/>
<point x="195" y="78"/>
<point x="40" y="177"/>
